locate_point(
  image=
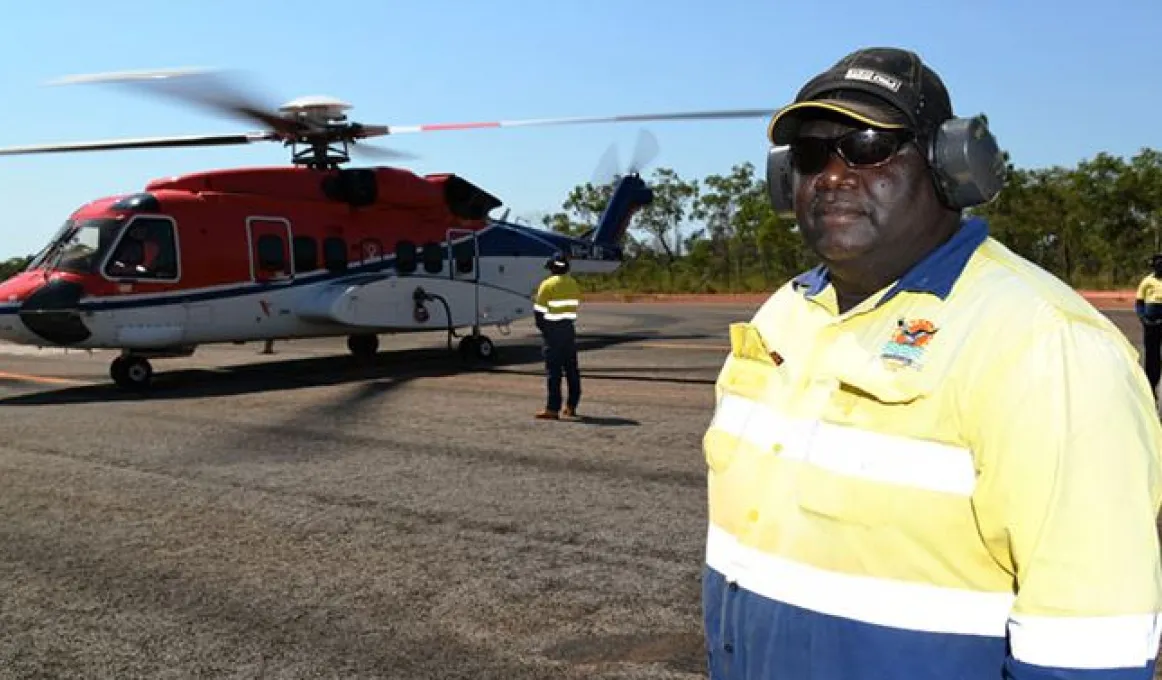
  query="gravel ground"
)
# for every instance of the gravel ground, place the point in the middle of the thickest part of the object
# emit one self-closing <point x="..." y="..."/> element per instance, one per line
<point x="301" y="516"/>
<point x="307" y="517"/>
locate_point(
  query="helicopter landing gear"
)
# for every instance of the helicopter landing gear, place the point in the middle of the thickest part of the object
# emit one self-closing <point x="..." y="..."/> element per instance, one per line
<point x="477" y="347"/>
<point x="131" y="372"/>
<point x="363" y="346"/>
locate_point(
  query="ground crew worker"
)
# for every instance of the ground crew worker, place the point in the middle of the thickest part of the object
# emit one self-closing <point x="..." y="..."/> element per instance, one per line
<point x="929" y="458"/>
<point x="558" y="298"/>
<point x="1148" y="305"/>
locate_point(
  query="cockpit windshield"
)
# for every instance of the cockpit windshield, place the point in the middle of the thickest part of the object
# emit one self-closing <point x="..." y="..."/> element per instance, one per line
<point x="79" y="246"/>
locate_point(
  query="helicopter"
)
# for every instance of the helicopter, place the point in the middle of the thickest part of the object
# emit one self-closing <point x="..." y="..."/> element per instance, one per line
<point x="309" y="250"/>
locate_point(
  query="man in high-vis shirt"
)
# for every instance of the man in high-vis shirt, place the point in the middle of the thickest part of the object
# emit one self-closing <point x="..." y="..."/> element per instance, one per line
<point x="929" y="459"/>
<point x="1148" y="305"/>
<point x="555" y="309"/>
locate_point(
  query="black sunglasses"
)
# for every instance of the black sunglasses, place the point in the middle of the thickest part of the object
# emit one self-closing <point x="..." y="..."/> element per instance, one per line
<point x="858" y="148"/>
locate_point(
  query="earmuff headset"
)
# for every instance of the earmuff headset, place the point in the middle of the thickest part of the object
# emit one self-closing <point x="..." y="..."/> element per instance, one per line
<point x="967" y="166"/>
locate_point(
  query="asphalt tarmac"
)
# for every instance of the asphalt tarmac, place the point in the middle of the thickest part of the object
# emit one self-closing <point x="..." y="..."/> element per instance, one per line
<point x="302" y="515"/>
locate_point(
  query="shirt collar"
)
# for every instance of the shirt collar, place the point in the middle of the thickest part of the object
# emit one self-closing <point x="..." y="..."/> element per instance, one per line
<point x="935" y="274"/>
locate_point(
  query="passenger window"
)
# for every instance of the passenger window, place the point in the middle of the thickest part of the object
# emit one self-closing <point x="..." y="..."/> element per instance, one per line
<point x="147" y="250"/>
<point x="306" y="254"/>
<point x="335" y="254"/>
<point x="433" y="258"/>
<point x="271" y="257"/>
<point x="405" y="257"/>
<point x="465" y="255"/>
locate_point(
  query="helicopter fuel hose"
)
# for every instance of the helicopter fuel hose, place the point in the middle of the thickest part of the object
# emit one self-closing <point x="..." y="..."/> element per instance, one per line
<point x="420" y="296"/>
<point x="448" y="316"/>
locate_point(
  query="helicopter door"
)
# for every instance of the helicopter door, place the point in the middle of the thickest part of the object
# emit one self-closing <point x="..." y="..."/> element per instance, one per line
<point x="463" y="255"/>
<point x="270" y="249"/>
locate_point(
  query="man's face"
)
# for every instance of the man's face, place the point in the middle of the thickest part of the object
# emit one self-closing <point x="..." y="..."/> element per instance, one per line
<point x="847" y="213"/>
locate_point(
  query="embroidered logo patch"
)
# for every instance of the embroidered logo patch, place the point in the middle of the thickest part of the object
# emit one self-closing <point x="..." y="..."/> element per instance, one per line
<point x="908" y="343"/>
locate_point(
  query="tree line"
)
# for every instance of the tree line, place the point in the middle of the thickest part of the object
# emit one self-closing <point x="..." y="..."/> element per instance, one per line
<point x="1094" y="225"/>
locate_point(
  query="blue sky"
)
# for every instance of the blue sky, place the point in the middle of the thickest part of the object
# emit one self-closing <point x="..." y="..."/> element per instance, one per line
<point x="1055" y="78"/>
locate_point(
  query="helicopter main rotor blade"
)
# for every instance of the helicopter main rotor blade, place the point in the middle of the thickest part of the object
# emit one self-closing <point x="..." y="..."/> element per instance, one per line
<point x="381" y="153"/>
<point x="207" y="88"/>
<point x="686" y="115"/>
<point x="140" y="143"/>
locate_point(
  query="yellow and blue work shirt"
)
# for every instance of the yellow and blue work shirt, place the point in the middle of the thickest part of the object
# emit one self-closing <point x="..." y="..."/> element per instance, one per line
<point x="1148" y="301"/>
<point x="958" y="478"/>
<point x="558" y="298"/>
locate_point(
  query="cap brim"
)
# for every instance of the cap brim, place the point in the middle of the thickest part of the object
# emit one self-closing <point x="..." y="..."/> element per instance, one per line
<point x="785" y="123"/>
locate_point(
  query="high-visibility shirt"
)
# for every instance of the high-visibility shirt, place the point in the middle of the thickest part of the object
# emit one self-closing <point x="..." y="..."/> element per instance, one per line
<point x="956" y="479"/>
<point x="1149" y="298"/>
<point x="558" y="298"/>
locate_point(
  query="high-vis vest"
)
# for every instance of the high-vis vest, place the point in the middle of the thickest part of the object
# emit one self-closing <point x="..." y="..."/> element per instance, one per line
<point x="957" y="479"/>
<point x="558" y="298"/>
<point x="1149" y="298"/>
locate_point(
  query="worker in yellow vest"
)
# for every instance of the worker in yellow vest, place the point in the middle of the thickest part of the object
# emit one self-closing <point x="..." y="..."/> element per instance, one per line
<point x="555" y="307"/>
<point x="929" y="457"/>
<point x="1148" y="305"/>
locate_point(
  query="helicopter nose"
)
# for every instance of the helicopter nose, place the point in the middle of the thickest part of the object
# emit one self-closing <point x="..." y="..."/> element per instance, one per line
<point x="51" y="312"/>
<point x="13" y="292"/>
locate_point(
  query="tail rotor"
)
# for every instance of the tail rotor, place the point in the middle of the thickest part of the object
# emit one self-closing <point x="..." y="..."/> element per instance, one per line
<point x="609" y="167"/>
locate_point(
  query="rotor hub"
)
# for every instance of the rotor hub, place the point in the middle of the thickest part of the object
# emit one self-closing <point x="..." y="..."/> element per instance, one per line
<point x="317" y="109"/>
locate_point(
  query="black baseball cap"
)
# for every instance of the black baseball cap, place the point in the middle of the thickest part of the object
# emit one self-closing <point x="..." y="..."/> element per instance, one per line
<point x="882" y="87"/>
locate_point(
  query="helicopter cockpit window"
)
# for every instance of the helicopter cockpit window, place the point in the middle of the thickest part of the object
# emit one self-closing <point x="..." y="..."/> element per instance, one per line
<point x="147" y="250"/>
<point x="433" y="258"/>
<point x="79" y="248"/>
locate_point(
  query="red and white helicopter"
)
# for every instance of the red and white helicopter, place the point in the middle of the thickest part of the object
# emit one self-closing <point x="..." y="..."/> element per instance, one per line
<point x="307" y="250"/>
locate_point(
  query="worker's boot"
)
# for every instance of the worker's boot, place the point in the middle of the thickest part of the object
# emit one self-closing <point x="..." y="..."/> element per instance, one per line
<point x="568" y="412"/>
<point x="546" y="414"/>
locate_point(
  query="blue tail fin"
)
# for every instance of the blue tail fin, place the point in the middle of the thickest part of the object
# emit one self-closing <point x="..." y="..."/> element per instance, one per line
<point x="630" y="195"/>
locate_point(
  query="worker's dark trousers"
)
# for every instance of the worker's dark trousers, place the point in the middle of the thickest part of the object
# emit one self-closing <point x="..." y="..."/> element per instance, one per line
<point x="562" y="360"/>
<point x="1151" y="346"/>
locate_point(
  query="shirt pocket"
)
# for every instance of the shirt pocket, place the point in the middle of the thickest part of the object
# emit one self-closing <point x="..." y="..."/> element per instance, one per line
<point x="752" y="381"/>
<point x="855" y="474"/>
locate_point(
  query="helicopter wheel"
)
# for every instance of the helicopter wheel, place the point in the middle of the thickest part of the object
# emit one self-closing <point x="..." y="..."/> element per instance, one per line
<point x="484" y="348"/>
<point x="130" y="372"/>
<point x="477" y="347"/>
<point x="363" y="346"/>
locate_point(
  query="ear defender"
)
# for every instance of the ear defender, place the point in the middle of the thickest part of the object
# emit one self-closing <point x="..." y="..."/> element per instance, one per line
<point x="780" y="186"/>
<point x="967" y="166"/>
